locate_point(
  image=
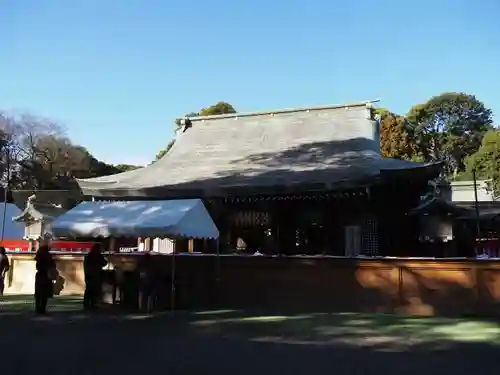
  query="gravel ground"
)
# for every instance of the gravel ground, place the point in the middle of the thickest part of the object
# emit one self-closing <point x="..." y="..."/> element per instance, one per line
<point x="229" y="342"/>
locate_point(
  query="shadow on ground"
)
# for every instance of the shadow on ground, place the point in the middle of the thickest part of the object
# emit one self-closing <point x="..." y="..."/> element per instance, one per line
<point x="245" y="342"/>
<point x="377" y="331"/>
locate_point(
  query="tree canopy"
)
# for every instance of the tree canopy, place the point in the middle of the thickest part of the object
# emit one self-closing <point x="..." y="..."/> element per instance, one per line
<point x="126" y="167"/>
<point x="449" y="127"/>
<point x="485" y="162"/>
<point x="219" y="108"/>
<point x="163" y="152"/>
<point x="35" y="154"/>
<point x="396" y="138"/>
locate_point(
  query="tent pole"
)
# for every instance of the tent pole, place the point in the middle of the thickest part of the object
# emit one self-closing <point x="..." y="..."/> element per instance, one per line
<point x="172" y="286"/>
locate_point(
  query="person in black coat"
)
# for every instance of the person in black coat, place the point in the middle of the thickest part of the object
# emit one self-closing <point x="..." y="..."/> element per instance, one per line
<point x="93" y="264"/>
<point x="4" y="268"/>
<point x="45" y="270"/>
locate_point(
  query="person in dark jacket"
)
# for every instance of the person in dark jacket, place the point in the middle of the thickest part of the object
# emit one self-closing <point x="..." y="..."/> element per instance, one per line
<point x="45" y="270"/>
<point x="4" y="268"/>
<point x="93" y="264"/>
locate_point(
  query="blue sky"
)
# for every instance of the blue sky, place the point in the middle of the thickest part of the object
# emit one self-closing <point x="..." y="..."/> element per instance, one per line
<point x="116" y="73"/>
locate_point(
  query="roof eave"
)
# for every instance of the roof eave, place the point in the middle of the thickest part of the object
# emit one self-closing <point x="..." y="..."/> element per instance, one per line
<point x="179" y="192"/>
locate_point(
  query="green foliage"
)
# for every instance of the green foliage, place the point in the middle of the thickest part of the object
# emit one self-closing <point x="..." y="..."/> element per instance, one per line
<point x="163" y="152"/>
<point x="126" y="167"/>
<point x="382" y="112"/>
<point x="220" y="108"/>
<point x="396" y="139"/>
<point x="449" y="127"/>
<point x="485" y="161"/>
<point x="464" y="175"/>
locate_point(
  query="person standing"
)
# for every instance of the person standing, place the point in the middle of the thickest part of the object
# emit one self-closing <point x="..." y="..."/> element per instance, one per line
<point x="45" y="270"/>
<point x="93" y="264"/>
<point x="4" y="268"/>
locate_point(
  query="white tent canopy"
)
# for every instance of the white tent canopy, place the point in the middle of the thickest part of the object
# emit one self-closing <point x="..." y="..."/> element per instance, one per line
<point x="173" y="218"/>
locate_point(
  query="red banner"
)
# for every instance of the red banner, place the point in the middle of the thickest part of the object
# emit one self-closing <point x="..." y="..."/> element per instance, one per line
<point x="15" y="245"/>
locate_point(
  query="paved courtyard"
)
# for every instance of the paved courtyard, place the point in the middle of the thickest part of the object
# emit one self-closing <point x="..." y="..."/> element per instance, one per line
<point x="236" y="342"/>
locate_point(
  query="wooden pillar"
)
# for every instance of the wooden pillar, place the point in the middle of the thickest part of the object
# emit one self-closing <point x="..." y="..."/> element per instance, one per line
<point x="328" y="232"/>
<point x="391" y="222"/>
<point x="285" y="228"/>
<point x="275" y="229"/>
<point x="221" y="213"/>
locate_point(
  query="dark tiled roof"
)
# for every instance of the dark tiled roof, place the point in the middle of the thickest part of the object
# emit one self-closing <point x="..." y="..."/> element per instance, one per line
<point x="322" y="147"/>
<point x="439" y="206"/>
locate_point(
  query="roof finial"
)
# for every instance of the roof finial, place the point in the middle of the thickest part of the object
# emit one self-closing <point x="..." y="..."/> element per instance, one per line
<point x="30" y="200"/>
<point x="185" y="124"/>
